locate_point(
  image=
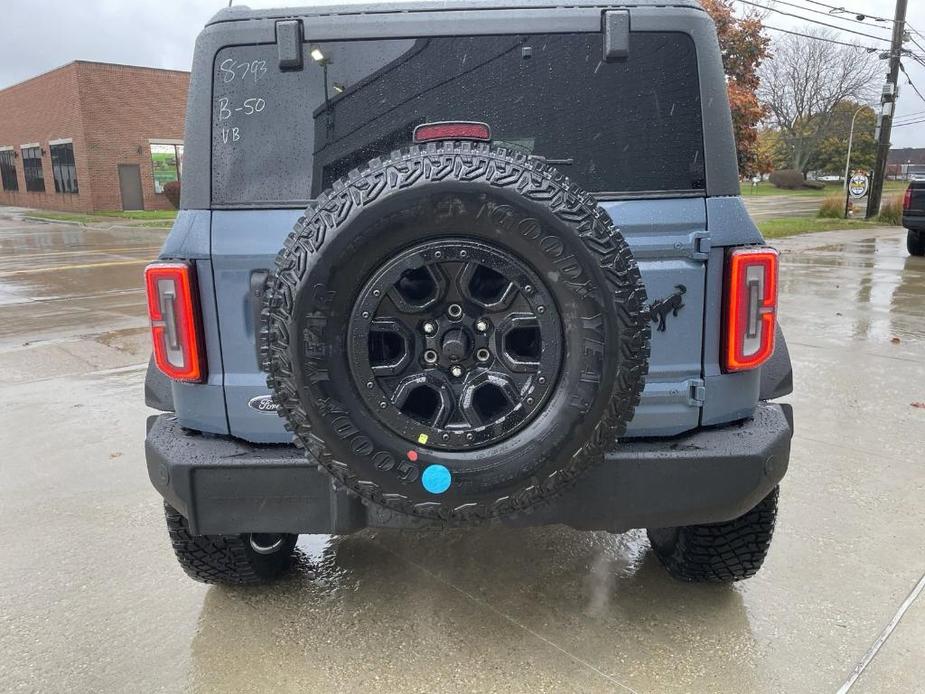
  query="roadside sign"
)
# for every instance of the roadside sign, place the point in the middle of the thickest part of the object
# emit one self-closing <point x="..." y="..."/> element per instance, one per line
<point x="858" y="185"/>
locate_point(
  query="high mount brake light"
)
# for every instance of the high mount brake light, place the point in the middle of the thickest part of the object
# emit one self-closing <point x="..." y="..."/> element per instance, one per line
<point x="173" y="308"/>
<point x="751" y="308"/>
<point x="452" y="130"/>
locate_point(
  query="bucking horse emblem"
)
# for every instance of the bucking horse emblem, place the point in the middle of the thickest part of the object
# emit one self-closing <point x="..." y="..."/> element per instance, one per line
<point x="659" y="310"/>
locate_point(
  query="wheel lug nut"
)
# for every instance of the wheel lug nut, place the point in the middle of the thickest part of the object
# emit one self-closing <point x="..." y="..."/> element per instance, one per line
<point x="430" y="356"/>
<point x="481" y="325"/>
<point x="430" y="328"/>
<point x="454" y="311"/>
<point x="457" y="371"/>
<point x="483" y="355"/>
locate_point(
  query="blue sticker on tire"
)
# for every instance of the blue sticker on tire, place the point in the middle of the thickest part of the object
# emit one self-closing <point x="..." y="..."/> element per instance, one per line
<point x="436" y="479"/>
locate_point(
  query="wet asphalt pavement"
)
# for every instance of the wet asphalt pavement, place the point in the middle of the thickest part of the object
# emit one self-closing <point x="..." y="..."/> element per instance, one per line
<point x="91" y="599"/>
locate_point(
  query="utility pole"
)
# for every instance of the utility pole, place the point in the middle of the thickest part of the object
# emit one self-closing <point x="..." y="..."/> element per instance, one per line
<point x="887" y="107"/>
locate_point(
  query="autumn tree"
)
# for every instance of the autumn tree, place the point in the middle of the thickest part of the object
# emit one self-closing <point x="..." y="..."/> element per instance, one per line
<point x="832" y="149"/>
<point x="804" y="85"/>
<point x="743" y="47"/>
<point x="768" y="152"/>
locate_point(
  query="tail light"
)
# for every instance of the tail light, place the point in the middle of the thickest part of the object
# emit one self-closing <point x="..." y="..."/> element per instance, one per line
<point x="452" y="130"/>
<point x="173" y="308"/>
<point x="907" y="199"/>
<point x="751" y="307"/>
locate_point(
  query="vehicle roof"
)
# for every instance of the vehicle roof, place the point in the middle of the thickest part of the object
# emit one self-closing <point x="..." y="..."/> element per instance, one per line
<point x="351" y="7"/>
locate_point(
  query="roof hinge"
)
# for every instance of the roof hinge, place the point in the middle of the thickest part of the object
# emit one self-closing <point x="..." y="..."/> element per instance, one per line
<point x="616" y="35"/>
<point x="289" y="43"/>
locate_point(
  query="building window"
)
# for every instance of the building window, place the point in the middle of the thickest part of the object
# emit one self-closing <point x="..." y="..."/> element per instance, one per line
<point x="166" y="163"/>
<point x="32" y="169"/>
<point x="62" y="165"/>
<point x="8" y="170"/>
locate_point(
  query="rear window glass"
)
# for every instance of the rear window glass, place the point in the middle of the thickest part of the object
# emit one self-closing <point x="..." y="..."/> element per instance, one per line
<point x="614" y="127"/>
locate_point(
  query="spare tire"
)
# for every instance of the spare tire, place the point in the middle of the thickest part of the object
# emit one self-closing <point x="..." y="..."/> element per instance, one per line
<point x="455" y="332"/>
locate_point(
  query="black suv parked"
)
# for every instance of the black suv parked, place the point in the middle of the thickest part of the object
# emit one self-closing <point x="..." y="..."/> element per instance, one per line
<point x="914" y="217"/>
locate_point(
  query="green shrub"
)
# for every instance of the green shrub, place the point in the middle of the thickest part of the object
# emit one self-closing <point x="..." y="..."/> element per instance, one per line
<point x="791" y="179"/>
<point x="814" y="185"/>
<point x="172" y="192"/>
<point x="833" y="206"/>
<point x="891" y="211"/>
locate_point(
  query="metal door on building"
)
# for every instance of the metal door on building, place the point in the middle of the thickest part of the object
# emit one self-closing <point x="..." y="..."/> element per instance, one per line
<point x="130" y="187"/>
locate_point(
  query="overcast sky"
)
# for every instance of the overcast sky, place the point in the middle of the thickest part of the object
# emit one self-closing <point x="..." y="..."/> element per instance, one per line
<point x="43" y="34"/>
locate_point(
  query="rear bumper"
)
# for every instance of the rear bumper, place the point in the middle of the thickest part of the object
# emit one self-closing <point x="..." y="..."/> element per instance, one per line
<point x="914" y="222"/>
<point x="226" y="486"/>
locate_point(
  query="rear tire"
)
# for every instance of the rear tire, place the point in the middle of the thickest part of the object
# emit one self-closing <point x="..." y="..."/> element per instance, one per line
<point x="915" y="242"/>
<point x="718" y="552"/>
<point x="229" y="559"/>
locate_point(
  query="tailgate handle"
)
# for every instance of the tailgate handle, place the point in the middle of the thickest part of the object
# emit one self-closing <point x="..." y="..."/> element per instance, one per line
<point x="289" y="44"/>
<point x="616" y="35"/>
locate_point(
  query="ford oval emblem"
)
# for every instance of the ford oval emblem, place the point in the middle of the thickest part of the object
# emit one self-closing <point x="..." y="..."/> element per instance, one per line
<point x="263" y="403"/>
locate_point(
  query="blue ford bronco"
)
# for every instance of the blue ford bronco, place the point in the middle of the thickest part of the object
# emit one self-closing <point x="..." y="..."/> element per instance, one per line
<point x="441" y="264"/>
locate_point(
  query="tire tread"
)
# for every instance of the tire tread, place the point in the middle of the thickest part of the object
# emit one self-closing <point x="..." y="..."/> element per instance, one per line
<point x="221" y="558"/>
<point x="719" y="552"/>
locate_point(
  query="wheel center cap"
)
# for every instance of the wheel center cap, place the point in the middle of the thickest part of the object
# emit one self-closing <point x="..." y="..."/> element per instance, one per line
<point x="456" y="345"/>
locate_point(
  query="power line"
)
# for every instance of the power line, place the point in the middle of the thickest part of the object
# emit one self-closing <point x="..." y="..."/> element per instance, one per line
<point x="911" y="84"/>
<point x="810" y="9"/>
<point x="833" y="8"/>
<point x="914" y="122"/>
<point x="918" y="114"/>
<point x="869" y="49"/>
<point x="920" y="46"/>
<point x="913" y="30"/>
<point x="816" y="21"/>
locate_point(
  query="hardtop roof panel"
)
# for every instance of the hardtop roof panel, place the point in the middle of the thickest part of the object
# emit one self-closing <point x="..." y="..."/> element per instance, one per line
<point x="244" y="13"/>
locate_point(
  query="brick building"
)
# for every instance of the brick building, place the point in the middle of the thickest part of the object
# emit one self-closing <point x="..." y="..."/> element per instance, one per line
<point x="92" y="136"/>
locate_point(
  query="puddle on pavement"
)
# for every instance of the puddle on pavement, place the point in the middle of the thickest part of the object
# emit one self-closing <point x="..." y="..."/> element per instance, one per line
<point x="419" y="596"/>
<point x="869" y="289"/>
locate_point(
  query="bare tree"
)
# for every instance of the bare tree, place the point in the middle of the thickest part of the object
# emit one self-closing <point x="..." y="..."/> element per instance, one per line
<point x="804" y="81"/>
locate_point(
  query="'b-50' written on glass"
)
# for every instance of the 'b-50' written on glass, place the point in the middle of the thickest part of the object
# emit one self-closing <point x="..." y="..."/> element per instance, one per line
<point x="248" y="107"/>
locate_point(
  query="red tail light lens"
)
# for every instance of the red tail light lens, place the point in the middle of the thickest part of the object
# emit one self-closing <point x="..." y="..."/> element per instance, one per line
<point x="452" y="130"/>
<point x="751" y="307"/>
<point x="174" y="312"/>
<point x="907" y="199"/>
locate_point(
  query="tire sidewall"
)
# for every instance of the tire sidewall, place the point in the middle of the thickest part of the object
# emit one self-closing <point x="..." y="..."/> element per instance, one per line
<point x="583" y="275"/>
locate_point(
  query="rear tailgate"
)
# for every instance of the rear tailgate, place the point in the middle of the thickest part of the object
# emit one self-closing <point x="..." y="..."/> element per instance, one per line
<point x="667" y="238"/>
<point x="628" y="129"/>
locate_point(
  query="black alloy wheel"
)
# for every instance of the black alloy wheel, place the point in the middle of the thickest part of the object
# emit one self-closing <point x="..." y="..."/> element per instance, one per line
<point x="456" y="343"/>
